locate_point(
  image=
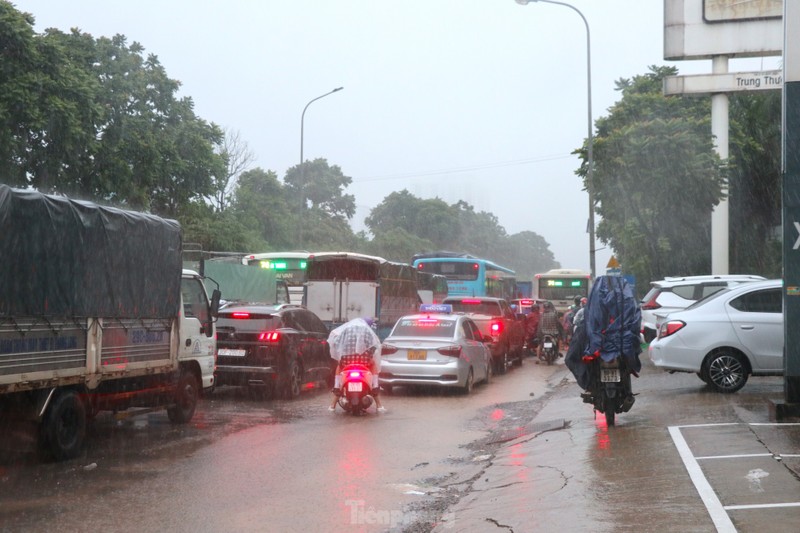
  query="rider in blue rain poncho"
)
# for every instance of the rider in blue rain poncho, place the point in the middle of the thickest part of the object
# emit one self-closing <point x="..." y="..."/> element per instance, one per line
<point x="610" y="327"/>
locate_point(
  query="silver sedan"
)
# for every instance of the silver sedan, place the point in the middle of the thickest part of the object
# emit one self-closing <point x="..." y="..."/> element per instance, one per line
<point x="726" y="337"/>
<point x="435" y="349"/>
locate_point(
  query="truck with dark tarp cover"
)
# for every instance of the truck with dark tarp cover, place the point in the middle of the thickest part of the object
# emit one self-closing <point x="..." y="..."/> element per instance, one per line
<point x="96" y="313"/>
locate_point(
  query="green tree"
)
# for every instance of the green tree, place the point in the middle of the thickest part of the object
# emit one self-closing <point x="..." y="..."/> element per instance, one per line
<point x="656" y="179"/>
<point x="260" y="204"/>
<point x="431" y="219"/>
<point x="755" y="183"/>
<point x="96" y="119"/>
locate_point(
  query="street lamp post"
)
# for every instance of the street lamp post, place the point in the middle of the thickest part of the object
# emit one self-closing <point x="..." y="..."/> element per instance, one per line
<point x="590" y="158"/>
<point x="302" y="165"/>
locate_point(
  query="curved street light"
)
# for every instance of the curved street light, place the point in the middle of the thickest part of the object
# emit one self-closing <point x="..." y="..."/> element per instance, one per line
<point x="590" y="155"/>
<point x="303" y="118"/>
<point x="302" y="166"/>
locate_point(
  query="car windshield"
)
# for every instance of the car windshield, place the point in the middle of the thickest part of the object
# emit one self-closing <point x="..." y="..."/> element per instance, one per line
<point x="424" y="327"/>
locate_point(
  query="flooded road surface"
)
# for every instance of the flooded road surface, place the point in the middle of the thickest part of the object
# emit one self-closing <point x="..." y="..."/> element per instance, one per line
<point x="521" y="454"/>
<point x="245" y="465"/>
<point x="684" y="459"/>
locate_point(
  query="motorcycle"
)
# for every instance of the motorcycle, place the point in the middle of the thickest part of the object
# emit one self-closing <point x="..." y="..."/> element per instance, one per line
<point x="356" y="372"/>
<point x="610" y="391"/>
<point x="549" y="351"/>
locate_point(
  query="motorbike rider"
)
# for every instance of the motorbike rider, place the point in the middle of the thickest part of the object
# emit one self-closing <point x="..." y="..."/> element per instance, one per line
<point x="549" y="324"/>
<point x="579" y="315"/>
<point x="356" y="337"/>
<point x="532" y="326"/>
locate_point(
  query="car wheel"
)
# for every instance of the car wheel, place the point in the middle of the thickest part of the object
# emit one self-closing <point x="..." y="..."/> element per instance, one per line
<point x="489" y="372"/>
<point x="292" y="379"/>
<point x="727" y="371"/>
<point x="469" y="383"/>
<point x="703" y="376"/>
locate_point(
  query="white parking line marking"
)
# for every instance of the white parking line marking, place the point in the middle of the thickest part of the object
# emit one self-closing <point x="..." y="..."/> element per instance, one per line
<point x="715" y="509"/>
<point x="733" y="456"/>
<point x="761" y="506"/>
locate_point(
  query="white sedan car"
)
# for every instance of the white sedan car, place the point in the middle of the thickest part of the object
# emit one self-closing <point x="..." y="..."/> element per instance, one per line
<point x="726" y="337"/>
<point x="435" y="348"/>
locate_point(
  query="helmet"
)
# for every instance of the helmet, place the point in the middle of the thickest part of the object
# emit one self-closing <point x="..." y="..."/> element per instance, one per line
<point x="577" y="300"/>
<point x="584" y="300"/>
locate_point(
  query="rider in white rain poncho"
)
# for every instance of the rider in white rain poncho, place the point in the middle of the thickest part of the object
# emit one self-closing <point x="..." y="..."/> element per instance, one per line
<point x="356" y="337"/>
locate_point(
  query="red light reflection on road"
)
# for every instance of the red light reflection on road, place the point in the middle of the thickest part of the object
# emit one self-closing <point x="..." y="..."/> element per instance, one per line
<point x="603" y="439"/>
<point x="356" y="474"/>
<point x="498" y="414"/>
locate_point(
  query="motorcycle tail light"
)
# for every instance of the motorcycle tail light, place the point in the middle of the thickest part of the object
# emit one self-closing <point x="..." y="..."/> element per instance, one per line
<point x="270" y="336"/>
<point x="450" y="351"/>
<point x="355" y="374"/>
<point x="668" y="328"/>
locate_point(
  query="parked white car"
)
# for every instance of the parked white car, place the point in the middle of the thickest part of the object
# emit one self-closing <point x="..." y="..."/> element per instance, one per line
<point x="674" y="293"/>
<point x="726" y="337"/>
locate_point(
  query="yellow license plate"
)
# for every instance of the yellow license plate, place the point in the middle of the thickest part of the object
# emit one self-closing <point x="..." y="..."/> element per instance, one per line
<point x="417" y="355"/>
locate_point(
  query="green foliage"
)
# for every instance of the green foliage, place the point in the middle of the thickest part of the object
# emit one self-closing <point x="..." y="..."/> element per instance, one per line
<point x="755" y="183"/>
<point x="96" y="119"/>
<point x="404" y="225"/>
<point x="656" y="179"/>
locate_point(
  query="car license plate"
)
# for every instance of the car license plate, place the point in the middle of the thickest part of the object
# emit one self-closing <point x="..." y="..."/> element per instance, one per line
<point x="231" y="353"/>
<point x="417" y="355"/>
<point x="354" y="386"/>
<point x="548" y="345"/>
<point x="609" y="375"/>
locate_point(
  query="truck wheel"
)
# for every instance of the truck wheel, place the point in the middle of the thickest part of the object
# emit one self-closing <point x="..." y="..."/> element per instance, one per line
<point x="64" y="426"/>
<point x="291" y="386"/>
<point x="186" y="396"/>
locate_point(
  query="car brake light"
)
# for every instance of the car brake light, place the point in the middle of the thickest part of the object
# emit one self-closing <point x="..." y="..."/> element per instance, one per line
<point x="470" y="301"/>
<point x="451" y="351"/>
<point x="270" y="336"/>
<point x="387" y="349"/>
<point x="497" y="328"/>
<point x="240" y="315"/>
<point x="670" y="327"/>
<point x="651" y="304"/>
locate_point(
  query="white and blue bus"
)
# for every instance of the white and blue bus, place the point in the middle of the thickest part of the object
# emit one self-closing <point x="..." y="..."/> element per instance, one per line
<point x="561" y="286"/>
<point x="468" y="275"/>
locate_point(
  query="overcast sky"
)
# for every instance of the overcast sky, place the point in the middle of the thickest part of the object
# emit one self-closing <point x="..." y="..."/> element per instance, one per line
<point x="475" y="100"/>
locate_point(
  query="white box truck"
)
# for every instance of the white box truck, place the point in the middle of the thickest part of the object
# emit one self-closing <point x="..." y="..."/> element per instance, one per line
<point x="96" y="313"/>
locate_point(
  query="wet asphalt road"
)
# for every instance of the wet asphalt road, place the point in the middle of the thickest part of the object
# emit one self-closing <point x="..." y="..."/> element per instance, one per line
<point x="247" y="465"/>
<point x="522" y="454"/>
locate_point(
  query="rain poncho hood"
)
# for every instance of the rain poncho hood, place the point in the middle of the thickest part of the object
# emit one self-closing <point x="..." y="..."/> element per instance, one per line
<point x="355" y="337"/>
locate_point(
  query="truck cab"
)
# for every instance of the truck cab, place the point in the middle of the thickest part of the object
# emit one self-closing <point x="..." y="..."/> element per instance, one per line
<point x="198" y="339"/>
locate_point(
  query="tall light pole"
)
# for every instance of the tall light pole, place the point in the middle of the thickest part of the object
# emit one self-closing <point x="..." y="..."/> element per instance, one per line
<point x="590" y="158"/>
<point x="302" y="166"/>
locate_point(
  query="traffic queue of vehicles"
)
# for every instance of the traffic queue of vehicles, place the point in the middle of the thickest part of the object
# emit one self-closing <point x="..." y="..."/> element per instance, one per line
<point x="86" y="325"/>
